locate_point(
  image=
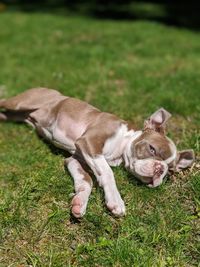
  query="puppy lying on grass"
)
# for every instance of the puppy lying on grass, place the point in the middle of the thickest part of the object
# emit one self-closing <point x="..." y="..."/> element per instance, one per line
<point x="96" y="141"/>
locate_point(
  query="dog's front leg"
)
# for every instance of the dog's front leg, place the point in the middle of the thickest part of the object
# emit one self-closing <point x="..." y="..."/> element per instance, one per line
<point x="82" y="183"/>
<point x="106" y="179"/>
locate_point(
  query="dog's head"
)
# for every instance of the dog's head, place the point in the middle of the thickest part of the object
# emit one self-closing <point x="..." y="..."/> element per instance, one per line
<point x="154" y="154"/>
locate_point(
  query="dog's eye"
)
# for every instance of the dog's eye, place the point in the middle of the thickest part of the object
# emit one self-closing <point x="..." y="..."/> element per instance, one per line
<point x="152" y="150"/>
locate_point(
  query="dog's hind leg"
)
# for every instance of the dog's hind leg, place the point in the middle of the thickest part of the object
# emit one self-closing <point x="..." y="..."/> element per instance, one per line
<point x="83" y="185"/>
<point x="31" y="99"/>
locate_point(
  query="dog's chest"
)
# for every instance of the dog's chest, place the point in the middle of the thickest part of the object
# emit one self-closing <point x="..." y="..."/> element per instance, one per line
<point x="113" y="147"/>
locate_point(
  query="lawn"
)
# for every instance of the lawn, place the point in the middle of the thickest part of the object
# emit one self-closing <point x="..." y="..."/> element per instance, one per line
<point x="128" y="68"/>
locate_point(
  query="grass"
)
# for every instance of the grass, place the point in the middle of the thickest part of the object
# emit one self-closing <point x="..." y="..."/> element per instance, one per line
<point x="130" y="69"/>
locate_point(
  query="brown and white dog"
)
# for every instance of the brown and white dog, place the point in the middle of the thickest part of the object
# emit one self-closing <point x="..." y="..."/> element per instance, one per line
<point x="98" y="140"/>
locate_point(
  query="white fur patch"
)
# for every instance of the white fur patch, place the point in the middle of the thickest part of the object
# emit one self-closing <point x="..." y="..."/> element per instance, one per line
<point x="82" y="187"/>
<point x="114" y="147"/>
<point x="73" y="167"/>
<point x="127" y="154"/>
<point x="63" y="141"/>
<point x="173" y="150"/>
<point x="106" y="179"/>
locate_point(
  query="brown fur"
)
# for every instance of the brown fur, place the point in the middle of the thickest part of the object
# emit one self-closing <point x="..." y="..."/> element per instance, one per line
<point x="31" y="99"/>
<point x="157" y="140"/>
<point x="42" y="106"/>
<point x="93" y="140"/>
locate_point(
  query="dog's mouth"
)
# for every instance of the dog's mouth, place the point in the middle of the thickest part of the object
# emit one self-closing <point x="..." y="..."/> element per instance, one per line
<point x="151" y="182"/>
<point x="150" y="171"/>
<point x="146" y="180"/>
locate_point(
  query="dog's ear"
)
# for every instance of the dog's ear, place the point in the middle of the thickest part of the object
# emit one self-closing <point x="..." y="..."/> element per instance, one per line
<point x="157" y="120"/>
<point x="185" y="159"/>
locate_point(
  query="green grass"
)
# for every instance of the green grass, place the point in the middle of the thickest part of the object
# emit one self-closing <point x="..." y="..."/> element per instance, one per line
<point x="130" y="69"/>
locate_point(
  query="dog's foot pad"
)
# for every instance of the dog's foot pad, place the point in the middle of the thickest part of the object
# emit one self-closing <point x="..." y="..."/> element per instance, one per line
<point x="76" y="206"/>
<point x="79" y="205"/>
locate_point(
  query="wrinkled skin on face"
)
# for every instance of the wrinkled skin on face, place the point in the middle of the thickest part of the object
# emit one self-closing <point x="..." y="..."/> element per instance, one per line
<point x="155" y="154"/>
<point x="150" y="171"/>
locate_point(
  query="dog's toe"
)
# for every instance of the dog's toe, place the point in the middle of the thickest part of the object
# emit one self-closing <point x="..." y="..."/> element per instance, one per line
<point x="78" y="206"/>
<point x="117" y="207"/>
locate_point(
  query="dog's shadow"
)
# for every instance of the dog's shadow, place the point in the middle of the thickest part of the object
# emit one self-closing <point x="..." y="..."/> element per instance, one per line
<point x="134" y="180"/>
<point x="54" y="149"/>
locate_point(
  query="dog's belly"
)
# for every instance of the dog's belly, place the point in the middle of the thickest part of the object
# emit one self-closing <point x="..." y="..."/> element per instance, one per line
<point x="60" y="130"/>
<point x="56" y="137"/>
<point x="63" y="141"/>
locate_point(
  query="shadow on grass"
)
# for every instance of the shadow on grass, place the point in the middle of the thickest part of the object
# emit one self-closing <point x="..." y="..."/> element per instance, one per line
<point x="55" y="150"/>
<point x="175" y="13"/>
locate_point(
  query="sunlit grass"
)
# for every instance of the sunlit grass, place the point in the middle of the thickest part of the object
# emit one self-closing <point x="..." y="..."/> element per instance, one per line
<point x="130" y="69"/>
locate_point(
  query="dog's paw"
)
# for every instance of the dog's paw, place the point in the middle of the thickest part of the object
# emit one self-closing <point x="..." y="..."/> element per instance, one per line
<point x="79" y="205"/>
<point x="116" y="206"/>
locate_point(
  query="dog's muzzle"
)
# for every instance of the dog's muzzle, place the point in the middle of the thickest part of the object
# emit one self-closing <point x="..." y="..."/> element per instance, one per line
<point x="150" y="171"/>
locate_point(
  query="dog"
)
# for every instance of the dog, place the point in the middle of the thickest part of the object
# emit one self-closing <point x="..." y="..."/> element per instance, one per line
<point x="97" y="140"/>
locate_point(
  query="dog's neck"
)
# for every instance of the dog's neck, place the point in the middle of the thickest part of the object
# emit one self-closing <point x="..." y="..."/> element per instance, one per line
<point x="117" y="149"/>
<point x="127" y="153"/>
